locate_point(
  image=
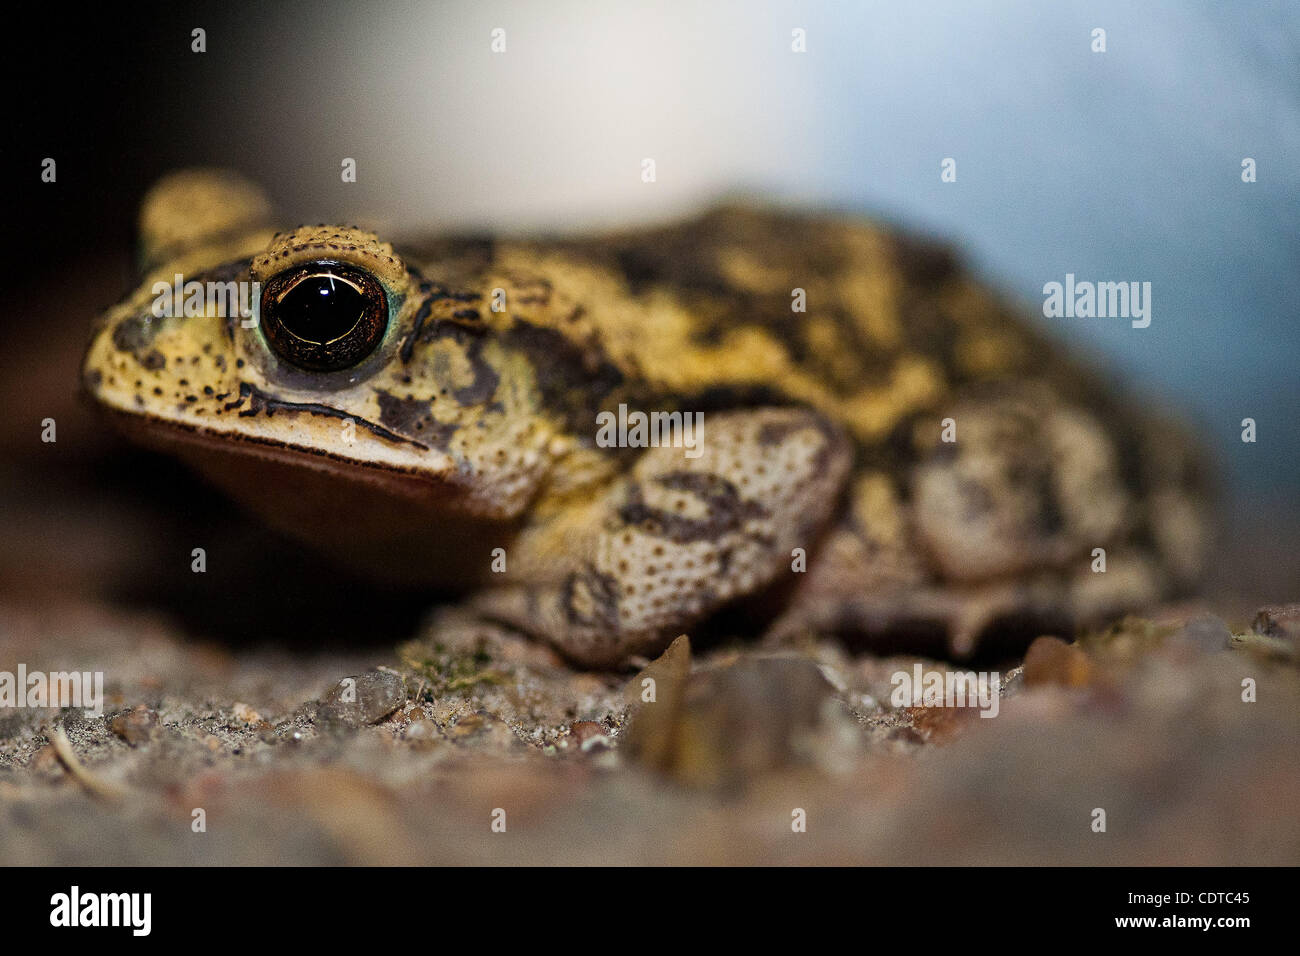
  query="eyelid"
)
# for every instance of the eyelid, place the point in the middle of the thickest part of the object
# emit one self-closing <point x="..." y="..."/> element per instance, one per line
<point x="313" y="272"/>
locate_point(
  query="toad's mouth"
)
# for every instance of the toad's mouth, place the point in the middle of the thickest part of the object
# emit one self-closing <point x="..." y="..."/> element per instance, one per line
<point x="405" y="524"/>
<point x="421" y="473"/>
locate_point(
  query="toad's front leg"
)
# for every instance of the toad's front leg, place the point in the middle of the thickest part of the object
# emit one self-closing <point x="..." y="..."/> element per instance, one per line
<point x="676" y="538"/>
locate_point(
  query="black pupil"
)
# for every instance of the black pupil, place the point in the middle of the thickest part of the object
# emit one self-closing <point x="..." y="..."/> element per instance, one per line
<point x="321" y="308"/>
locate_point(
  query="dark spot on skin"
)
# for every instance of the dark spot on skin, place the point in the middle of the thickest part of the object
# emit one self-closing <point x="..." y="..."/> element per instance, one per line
<point x="644" y="266"/>
<point x="945" y="453"/>
<point x="725" y="509"/>
<point x="929" y="330"/>
<point x="135" y="333"/>
<point x="599" y="592"/>
<point x="154" y="361"/>
<point x="1050" y="517"/>
<point x="639" y="267"/>
<point x="412" y="416"/>
<point x="976" y="499"/>
<point x="574" y="380"/>
<point x="531" y="290"/>
<point x="486" y="379"/>
<point x="775" y="433"/>
<point x="720" y="398"/>
<point x="94" y="378"/>
<point x="922" y="262"/>
<point x="466" y="314"/>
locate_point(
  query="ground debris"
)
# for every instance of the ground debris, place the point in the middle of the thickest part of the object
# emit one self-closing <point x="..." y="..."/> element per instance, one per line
<point x="1151" y="713"/>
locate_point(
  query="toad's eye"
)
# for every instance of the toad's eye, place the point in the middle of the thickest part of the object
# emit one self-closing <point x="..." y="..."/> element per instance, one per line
<point x="324" y="316"/>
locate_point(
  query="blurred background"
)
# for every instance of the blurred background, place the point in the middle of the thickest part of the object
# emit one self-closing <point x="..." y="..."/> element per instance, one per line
<point x="1122" y="165"/>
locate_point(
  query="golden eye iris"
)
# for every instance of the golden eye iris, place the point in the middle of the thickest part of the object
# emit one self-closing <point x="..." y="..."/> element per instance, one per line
<point x="324" y="316"/>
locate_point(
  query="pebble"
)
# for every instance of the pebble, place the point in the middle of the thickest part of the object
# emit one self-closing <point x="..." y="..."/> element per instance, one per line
<point x="1280" y="621"/>
<point x="1050" y="660"/>
<point x="654" y="698"/>
<point x="135" y="726"/>
<point x="584" y="730"/>
<point x="362" y="699"/>
<point x="755" y="715"/>
<point x="486" y="731"/>
<point x="588" y="735"/>
<point x="422" y="733"/>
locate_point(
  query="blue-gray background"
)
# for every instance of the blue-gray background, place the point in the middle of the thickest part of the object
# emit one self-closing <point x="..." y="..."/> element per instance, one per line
<point x="1123" y="165"/>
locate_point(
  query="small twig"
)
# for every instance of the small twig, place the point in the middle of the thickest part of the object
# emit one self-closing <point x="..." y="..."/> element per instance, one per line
<point x="96" y="784"/>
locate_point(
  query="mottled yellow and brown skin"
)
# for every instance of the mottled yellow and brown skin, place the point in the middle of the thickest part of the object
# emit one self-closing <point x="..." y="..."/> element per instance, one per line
<point x="470" y="429"/>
